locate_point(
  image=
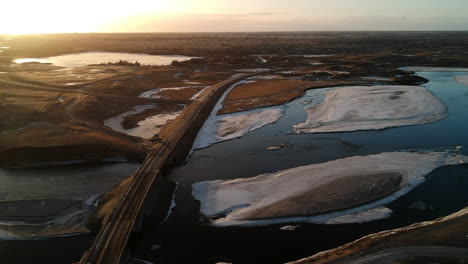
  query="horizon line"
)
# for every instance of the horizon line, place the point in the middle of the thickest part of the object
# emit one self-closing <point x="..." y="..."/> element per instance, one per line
<point x="220" y="32"/>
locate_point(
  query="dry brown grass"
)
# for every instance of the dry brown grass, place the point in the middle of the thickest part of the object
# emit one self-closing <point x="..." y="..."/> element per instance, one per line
<point x="270" y="93"/>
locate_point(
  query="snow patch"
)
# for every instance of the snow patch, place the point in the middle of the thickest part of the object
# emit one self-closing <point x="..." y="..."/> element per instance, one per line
<point x="219" y="128"/>
<point x="236" y="199"/>
<point x="373" y="108"/>
<point x="261" y="60"/>
<point x="362" y="217"/>
<point x="289" y="228"/>
<point x="146" y="128"/>
<point x="30" y="60"/>
<point x="230" y="126"/>
<point x="153" y="93"/>
<point x="278" y="147"/>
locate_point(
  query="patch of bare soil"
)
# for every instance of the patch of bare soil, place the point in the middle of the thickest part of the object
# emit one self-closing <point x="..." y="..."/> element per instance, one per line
<point x="338" y="195"/>
<point x="263" y="93"/>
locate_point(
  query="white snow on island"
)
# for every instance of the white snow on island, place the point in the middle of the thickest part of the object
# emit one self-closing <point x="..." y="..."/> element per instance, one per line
<point x="350" y="190"/>
<point x="462" y="79"/>
<point x="372" y="108"/>
<point x="218" y="128"/>
<point x="230" y="126"/>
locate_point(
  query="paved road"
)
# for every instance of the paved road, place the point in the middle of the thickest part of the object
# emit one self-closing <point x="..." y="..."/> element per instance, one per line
<point x="111" y="241"/>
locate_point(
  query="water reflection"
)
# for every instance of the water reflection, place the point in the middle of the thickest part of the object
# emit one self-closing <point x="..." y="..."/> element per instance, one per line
<point x="89" y="58"/>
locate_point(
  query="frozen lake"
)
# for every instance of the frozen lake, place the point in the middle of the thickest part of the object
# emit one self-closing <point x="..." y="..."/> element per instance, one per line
<point x="98" y="57"/>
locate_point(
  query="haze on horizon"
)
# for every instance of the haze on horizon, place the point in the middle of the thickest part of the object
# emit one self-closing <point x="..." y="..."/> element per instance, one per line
<point x="57" y="16"/>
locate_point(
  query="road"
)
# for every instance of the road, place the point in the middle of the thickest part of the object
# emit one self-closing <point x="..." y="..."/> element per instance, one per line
<point x="110" y="243"/>
<point x="72" y="90"/>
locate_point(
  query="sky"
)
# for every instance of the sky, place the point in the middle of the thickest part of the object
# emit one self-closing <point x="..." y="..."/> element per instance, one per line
<point x="60" y="16"/>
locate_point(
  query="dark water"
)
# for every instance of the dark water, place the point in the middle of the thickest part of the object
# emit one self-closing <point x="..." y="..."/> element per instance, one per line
<point x="185" y="239"/>
<point x="73" y="181"/>
<point x="55" y="182"/>
<point x="51" y="251"/>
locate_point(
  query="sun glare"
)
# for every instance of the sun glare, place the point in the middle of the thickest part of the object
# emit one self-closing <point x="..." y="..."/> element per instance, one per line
<point x="58" y="16"/>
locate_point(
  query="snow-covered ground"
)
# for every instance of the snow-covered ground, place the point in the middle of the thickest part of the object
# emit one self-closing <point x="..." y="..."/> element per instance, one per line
<point x="219" y="128"/>
<point x="146" y="128"/>
<point x="189" y="82"/>
<point x="230" y="126"/>
<point x="372" y="108"/>
<point x="154" y="92"/>
<point x="434" y="69"/>
<point x="378" y="213"/>
<point x="236" y="200"/>
<point x="462" y="79"/>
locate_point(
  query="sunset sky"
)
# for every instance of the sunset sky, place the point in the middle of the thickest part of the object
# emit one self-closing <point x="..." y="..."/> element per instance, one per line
<point x="56" y="16"/>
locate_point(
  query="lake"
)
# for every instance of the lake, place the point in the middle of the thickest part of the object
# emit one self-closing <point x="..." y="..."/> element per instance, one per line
<point x="98" y="57"/>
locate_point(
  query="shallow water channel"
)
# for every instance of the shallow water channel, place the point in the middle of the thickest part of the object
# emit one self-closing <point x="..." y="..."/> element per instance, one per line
<point x="187" y="238"/>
